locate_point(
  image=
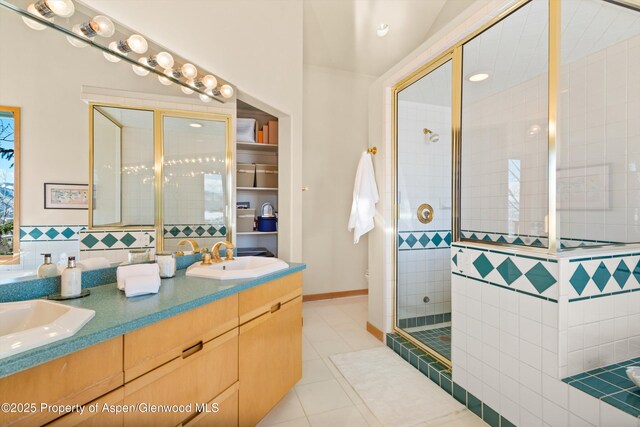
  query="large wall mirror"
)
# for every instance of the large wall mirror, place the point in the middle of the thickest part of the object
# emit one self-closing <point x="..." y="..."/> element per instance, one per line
<point x="55" y="85"/>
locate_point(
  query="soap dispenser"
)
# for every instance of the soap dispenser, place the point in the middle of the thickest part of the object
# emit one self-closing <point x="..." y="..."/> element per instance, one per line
<point x="71" y="279"/>
<point x="47" y="269"/>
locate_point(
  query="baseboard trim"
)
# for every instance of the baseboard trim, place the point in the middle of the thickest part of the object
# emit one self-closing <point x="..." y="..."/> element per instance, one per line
<point x="375" y="332"/>
<point x="333" y="295"/>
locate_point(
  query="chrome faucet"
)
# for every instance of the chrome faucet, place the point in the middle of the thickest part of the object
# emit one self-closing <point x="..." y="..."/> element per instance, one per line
<point x="215" y="251"/>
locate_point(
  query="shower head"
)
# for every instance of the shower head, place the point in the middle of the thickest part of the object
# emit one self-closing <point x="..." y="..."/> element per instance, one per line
<point x="430" y="136"/>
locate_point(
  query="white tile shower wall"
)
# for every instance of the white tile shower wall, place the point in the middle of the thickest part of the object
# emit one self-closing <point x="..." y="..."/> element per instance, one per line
<point x="424" y="177"/>
<point x="599" y="143"/>
<point x="497" y="130"/>
<point x="599" y="311"/>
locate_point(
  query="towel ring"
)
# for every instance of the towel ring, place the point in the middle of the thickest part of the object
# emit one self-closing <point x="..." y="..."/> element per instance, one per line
<point x="425" y="213"/>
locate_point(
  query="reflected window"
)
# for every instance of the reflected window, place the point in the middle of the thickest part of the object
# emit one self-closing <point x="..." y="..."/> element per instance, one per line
<point x="9" y="166"/>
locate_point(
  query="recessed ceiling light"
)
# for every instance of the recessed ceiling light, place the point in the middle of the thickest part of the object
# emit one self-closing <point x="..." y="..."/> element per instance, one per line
<point x="195" y="125"/>
<point x="478" y="77"/>
<point x="382" y="29"/>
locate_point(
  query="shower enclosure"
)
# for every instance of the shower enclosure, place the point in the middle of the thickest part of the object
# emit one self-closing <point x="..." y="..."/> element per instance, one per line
<point x="423" y="156"/>
<point x="524" y="135"/>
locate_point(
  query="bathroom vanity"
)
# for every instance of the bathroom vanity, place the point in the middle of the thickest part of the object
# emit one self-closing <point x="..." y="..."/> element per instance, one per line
<point x="201" y="351"/>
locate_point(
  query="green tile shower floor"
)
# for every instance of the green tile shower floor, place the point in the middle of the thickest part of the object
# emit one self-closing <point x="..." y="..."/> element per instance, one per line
<point x="438" y="339"/>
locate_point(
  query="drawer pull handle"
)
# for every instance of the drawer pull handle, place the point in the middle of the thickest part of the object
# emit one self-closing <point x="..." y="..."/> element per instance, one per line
<point x="190" y="418"/>
<point x="276" y="307"/>
<point x="192" y="350"/>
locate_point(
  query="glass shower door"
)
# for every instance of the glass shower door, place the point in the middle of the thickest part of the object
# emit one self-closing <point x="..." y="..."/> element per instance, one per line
<point x="423" y="272"/>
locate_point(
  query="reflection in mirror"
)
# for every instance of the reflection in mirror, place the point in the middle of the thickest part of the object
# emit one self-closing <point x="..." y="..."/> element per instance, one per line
<point x="9" y="175"/>
<point x="122" y="159"/>
<point x="194" y="179"/>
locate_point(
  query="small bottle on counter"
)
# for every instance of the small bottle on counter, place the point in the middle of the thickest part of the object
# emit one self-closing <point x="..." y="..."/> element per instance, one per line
<point x="167" y="263"/>
<point x="71" y="279"/>
<point x="47" y="269"/>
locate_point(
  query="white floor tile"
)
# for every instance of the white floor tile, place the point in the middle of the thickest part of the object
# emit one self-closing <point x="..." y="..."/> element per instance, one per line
<point x="298" y="422"/>
<point x="344" y="417"/>
<point x="322" y="397"/>
<point x="308" y="352"/>
<point x="465" y="418"/>
<point x="331" y="347"/>
<point x="289" y="408"/>
<point x="314" y="371"/>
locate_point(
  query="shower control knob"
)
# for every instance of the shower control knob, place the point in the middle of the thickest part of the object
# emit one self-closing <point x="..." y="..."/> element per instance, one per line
<point x="426" y="299"/>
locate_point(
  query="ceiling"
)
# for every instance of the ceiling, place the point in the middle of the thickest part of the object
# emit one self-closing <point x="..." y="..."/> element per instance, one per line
<point x="341" y="34"/>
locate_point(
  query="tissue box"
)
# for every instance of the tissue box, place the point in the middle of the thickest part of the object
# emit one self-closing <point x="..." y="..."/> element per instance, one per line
<point x="245" y="130"/>
<point x="267" y="176"/>
<point x="244" y="219"/>
<point x="245" y="175"/>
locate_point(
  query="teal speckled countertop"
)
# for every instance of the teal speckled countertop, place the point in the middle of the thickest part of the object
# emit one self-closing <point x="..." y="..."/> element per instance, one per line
<point x="116" y="314"/>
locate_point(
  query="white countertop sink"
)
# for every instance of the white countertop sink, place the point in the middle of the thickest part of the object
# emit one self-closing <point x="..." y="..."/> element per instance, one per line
<point x="247" y="267"/>
<point x="29" y="324"/>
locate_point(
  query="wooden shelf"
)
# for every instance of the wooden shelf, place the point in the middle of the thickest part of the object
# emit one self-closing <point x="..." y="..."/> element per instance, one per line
<point x="256" y="233"/>
<point x="256" y="189"/>
<point x="253" y="146"/>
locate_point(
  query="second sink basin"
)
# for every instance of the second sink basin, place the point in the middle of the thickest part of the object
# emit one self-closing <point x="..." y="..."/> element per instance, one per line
<point x="28" y="324"/>
<point x="240" y="268"/>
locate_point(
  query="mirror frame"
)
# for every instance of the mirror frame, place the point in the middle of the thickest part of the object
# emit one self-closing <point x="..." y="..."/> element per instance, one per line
<point x="15" y="258"/>
<point x="158" y="155"/>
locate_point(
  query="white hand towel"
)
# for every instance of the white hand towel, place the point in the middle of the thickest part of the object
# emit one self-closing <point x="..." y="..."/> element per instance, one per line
<point x="94" y="263"/>
<point x="141" y="285"/>
<point x="365" y="197"/>
<point x="135" y="270"/>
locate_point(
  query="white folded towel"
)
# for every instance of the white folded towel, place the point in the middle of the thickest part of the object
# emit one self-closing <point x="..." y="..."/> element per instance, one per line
<point x="93" y="263"/>
<point x="365" y="197"/>
<point x="135" y="270"/>
<point x="141" y="285"/>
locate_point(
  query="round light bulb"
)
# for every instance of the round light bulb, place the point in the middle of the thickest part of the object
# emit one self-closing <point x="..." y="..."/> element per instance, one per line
<point x="165" y="81"/>
<point x="209" y="81"/>
<point x="111" y="58"/>
<point x="382" y="29"/>
<point x="226" y="91"/>
<point x="189" y="71"/>
<point x="164" y="60"/>
<point x="187" y="90"/>
<point x="138" y="44"/>
<point x="478" y="77"/>
<point x="62" y="8"/>
<point x="204" y="98"/>
<point x="103" y="26"/>
<point x="30" y="22"/>
<point x="74" y="41"/>
<point x="141" y="71"/>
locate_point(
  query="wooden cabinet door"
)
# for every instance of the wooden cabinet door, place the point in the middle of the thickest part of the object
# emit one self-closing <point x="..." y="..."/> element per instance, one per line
<point x="76" y="378"/>
<point x="225" y="413"/>
<point x="270" y="360"/>
<point x="198" y="376"/>
<point x="102" y="412"/>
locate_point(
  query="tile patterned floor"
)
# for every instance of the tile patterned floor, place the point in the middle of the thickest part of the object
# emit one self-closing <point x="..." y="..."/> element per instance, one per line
<point x="611" y="384"/>
<point x="323" y="397"/>
<point x="438" y="339"/>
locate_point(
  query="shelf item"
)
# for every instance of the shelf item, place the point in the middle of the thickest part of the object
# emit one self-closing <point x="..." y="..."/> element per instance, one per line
<point x="254" y="146"/>
<point x="245" y="219"/>
<point x="256" y="233"/>
<point x="246" y="130"/>
<point x="256" y="189"/>
<point x="245" y="174"/>
<point x="266" y="176"/>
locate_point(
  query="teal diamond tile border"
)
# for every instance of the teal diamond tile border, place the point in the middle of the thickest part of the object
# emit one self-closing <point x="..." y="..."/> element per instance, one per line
<point x="439" y="374"/>
<point x="604" y="275"/>
<point x="181" y="231"/>
<point x="424" y="239"/>
<point x="93" y="240"/>
<point x="48" y="233"/>
<point x="529" y="240"/>
<point x="523" y="273"/>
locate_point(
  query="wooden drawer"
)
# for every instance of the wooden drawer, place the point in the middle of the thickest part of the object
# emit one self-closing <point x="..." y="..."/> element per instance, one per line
<point x="196" y="377"/>
<point x="227" y="411"/>
<point x="97" y="418"/>
<point x="154" y="345"/>
<point x="264" y="380"/>
<point x="259" y="300"/>
<point x="73" y="379"/>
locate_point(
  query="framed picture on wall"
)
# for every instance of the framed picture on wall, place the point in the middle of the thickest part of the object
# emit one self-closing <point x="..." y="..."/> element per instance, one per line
<point x="66" y="196"/>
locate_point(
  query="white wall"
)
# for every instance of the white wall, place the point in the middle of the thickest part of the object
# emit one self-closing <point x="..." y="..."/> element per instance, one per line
<point x="335" y="136"/>
<point x="257" y="46"/>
